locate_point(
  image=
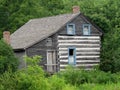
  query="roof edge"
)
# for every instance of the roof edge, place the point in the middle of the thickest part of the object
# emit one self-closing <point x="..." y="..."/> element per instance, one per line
<point x="77" y="14"/>
<point x="87" y="18"/>
<point x="19" y="49"/>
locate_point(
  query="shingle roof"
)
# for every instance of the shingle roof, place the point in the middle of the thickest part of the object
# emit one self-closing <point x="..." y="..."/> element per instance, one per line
<point x="38" y="29"/>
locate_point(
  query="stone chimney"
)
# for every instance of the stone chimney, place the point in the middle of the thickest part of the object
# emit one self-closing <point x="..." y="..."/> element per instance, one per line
<point x="76" y="9"/>
<point x="6" y="36"/>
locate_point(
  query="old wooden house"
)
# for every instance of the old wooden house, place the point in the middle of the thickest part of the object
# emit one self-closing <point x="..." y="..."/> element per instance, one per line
<point x="62" y="40"/>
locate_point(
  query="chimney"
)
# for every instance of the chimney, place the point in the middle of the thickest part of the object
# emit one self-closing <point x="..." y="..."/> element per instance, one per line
<point x="6" y="36"/>
<point x="76" y="9"/>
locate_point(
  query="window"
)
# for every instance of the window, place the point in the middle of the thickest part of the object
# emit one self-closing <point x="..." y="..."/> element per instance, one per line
<point x="49" y="42"/>
<point x="71" y="29"/>
<point x="86" y="29"/>
<point x="71" y="52"/>
<point x="72" y="56"/>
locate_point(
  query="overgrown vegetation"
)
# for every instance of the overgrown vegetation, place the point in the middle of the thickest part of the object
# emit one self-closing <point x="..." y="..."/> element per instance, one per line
<point x="8" y="61"/>
<point x="78" y="77"/>
<point x="33" y="78"/>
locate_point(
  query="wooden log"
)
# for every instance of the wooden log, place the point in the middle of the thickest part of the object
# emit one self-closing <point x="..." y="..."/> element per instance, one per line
<point x="79" y="52"/>
<point x="76" y="40"/>
<point x="96" y="56"/>
<point x="80" y="48"/>
<point x="77" y="44"/>
<point x="79" y="61"/>
<point x="78" y="65"/>
<point x="81" y="37"/>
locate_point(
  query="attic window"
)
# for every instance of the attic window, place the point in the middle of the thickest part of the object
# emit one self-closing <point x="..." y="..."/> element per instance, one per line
<point x="49" y="42"/>
<point x="71" y="29"/>
<point x="86" y="29"/>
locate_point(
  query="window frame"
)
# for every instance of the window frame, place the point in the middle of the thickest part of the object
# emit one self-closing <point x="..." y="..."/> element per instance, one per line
<point x="74" y="49"/>
<point x="89" y="29"/>
<point x="49" y="41"/>
<point x="73" y="29"/>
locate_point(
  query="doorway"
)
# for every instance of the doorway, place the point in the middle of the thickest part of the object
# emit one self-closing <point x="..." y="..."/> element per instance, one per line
<point x="51" y="61"/>
<point x="72" y="56"/>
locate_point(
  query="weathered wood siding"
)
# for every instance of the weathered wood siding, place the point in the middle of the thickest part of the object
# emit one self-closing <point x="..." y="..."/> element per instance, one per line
<point x="41" y="49"/>
<point x="87" y="50"/>
<point x="79" y="21"/>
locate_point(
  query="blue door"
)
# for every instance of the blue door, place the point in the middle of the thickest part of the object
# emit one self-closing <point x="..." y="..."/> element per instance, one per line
<point x="72" y="56"/>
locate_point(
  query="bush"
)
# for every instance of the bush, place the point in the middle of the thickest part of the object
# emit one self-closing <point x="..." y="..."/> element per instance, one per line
<point x="31" y="78"/>
<point x="56" y="83"/>
<point x="77" y="77"/>
<point x="8" y="81"/>
<point x="7" y="58"/>
<point x="74" y="77"/>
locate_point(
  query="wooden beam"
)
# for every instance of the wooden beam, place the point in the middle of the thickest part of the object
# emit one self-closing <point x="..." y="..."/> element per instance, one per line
<point x="81" y="60"/>
<point x="79" y="52"/>
<point x="81" y="48"/>
<point x="80" y="37"/>
<point x="80" y="65"/>
<point x="96" y="56"/>
<point x="76" y="40"/>
<point x="77" y="44"/>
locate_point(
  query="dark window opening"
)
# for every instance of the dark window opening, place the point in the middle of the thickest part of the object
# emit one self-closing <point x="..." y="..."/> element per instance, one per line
<point x="71" y="52"/>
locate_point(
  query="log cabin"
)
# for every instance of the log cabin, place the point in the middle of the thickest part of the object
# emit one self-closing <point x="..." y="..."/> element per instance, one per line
<point x="62" y="40"/>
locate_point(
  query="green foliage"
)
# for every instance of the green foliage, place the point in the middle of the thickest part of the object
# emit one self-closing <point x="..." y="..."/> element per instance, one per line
<point x="53" y="6"/>
<point x="15" y="13"/>
<point x="78" y="77"/>
<point x="29" y="78"/>
<point x="32" y="61"/>
<point x="33" y="78"/>
<point x="56" y="83"/>
<point x="70" y="87"/>
<point x="110" y="86"/>
<point x="7" y="58"/>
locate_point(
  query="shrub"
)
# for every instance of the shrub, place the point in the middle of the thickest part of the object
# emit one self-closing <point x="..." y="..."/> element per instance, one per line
<point x="30" y="78"/>
<point x="70" y="87"/>
<point x="7" y="58"/>
<point x="33" y="78"/>
<point x="77" y="77"/>
<point x="8" y="81"/>
<point x="56" y="83"/>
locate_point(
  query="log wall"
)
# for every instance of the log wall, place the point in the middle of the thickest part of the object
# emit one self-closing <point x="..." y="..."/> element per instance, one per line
<point x="87" y="50"/>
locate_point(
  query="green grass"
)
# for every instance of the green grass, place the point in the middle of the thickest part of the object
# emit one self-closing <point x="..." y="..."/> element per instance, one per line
<point x="110" y="86"/>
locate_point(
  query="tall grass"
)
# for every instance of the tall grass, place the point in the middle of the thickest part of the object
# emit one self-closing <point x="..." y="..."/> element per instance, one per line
<point x="110" y="86"/>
